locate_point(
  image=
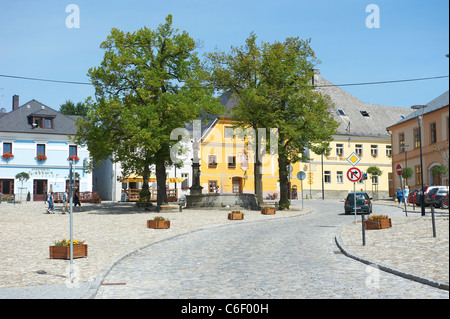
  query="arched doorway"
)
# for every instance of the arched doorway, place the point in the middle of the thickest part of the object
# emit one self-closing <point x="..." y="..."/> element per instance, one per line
<point x="237" y="185"/>
<point x="434" y="180"/>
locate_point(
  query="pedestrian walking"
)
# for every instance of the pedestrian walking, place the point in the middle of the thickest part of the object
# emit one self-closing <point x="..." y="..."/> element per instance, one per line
<point x="76" y="199"/>
<point x="51" y="207"/>
<point x="406" y="194"/>
<point x="65" y="203"/>
<point x="399" y="194"/>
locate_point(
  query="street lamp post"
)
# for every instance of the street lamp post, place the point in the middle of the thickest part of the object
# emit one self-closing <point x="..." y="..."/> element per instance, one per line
<point x="422" y="195"/>
<point x="71" y="218"/>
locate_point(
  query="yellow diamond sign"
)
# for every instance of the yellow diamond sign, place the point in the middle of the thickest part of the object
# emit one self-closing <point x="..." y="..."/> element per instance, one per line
<point x="353" y="159"/>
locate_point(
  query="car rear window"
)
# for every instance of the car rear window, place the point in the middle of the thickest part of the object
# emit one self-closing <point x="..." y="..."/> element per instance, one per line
<point x="358" y="197"/>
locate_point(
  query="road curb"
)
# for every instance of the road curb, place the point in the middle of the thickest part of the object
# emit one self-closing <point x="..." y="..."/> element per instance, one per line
<point x="386" y="268"/>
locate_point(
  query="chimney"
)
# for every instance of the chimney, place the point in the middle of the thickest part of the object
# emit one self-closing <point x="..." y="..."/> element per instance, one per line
<point x="15" y="102"/>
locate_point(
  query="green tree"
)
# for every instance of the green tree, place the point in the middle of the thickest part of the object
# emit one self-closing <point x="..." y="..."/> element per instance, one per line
<point x="272" y="84"/>
<point x="149" y="83"/>
<point x="69" y="108"/>
<point x="23" y="176"/>
<point x="440" y="171"/>
<point x="374" y="171"/>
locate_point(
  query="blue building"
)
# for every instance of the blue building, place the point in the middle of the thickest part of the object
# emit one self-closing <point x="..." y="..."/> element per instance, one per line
<point x="34" y="139"/>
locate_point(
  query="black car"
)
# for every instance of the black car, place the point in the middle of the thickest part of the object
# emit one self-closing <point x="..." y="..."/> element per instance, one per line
<point x="363" y="203"/>
<point x="436" y="197"/>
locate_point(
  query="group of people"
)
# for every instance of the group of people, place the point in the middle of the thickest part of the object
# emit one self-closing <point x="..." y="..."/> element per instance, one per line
<point x="65" y="199"/>
<point x="402" y="195"/>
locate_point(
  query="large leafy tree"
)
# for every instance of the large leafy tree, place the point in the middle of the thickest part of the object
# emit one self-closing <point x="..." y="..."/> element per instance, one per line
<point x="149" y="83"/>
<point x="69" y="108"/>
<point x="272" y="84"/>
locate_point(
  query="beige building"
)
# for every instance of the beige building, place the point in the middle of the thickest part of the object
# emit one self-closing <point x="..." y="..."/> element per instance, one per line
<point x="405" y="136"/>
<point x="362" y="130"/>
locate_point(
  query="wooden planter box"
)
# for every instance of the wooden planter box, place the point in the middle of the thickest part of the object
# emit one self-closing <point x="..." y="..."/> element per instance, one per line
<point x="158" y="224"/>
<point x="63" y="252"/>
<point x="232" y="216"/>
<point x="268" y="211"/>
<point x="378" y="224"/>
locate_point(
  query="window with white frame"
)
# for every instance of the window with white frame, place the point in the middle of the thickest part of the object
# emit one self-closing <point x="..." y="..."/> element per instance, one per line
<point x="359" y="150"/>
<point x="327" y="177"/>
<point x="340" y="177"/>
<point x="375" y="180"/>
<point x="388" y="151"/>
<point x="374" y="150"/>
<point x="340" y="149"/>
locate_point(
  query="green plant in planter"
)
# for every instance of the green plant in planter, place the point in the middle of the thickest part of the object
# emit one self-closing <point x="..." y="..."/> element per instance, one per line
<point x="160" y="219"/>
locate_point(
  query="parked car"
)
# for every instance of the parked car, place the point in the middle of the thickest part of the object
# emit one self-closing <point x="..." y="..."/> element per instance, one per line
<point x="412" y="196"/>
<point x="363" y="203"/>
<point x="445" y="202"/>
<point x="436" y="196"/>
<point x="426" y="190"/>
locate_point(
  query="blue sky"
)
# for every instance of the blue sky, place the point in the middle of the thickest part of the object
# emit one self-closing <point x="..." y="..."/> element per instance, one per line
<point x="411" y="41"/>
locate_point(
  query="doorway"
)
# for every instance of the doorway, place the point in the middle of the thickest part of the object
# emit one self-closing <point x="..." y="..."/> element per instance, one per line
<point x="39" y="189"/>
<point x="237" y="185"/>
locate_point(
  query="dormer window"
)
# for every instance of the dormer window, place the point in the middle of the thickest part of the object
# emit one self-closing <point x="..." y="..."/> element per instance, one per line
<point x="41" y="121"/>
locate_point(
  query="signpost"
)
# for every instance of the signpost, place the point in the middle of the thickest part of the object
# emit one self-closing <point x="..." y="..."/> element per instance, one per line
<point x="301" y="176"/>
<point x="354" y="174"/>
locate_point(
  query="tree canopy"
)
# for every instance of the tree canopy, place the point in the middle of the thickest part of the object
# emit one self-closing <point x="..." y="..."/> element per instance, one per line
<point x="148" y="83"/>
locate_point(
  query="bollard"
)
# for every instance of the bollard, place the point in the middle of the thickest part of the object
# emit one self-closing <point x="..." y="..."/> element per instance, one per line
<point x="363" y="222"/>
<point x="432" y="220"/>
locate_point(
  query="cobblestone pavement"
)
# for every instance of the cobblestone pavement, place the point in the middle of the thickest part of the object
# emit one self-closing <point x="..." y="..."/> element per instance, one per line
<point x="295" y="257"/>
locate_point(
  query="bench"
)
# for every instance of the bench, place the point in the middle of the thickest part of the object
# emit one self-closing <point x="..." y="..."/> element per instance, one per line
<point x="169" y="207"/>
<point x="270" y="203"/>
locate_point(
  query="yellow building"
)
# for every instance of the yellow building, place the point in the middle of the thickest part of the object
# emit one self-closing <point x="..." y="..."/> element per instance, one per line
<point x="227" y="160"/>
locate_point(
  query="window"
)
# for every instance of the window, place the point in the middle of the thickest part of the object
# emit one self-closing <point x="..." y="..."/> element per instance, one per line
<point x="73" y="150"/>
<point x="228" y="131"/>
<point x="374" y="150"/>
<point x="340" y="177"/>
<point x="212" y="186"/>
<point x="231" y="161"/>
<point x="375" y="180"/>
<point x="433" y="133"/>
<point x="40" y="149"/>
<point x="340" y="149"/>
<point x="185" y="183"/>
<point x="388" y="150"/>
<point x="418" y="175"/>
<point x="341" y="112"/>
<point x="416" y="138"/>
<point x="359" y="150"/>
<point x="401" y="140"/>
<point x="7" y="148"/>
<point x="364" y="113"/>
<point x="212" y="161"/>
<point x="327" y="177"/>
<point x="41" y="122"/>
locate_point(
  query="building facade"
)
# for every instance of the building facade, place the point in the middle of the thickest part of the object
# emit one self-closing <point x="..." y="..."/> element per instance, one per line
<point x="34" y="139"/>
<point x="226" y="160"/>
<point x="434" y="137"/>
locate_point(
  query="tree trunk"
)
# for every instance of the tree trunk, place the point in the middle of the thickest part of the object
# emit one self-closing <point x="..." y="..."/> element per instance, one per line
<point x="161" y="181"/>
<point x="283" y="175"/>
<point x="144" y="194"/>
<point x="258" y="182"/>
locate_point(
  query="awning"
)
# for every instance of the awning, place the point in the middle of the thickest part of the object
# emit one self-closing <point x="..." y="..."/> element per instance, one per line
<point x="133" y="178"/>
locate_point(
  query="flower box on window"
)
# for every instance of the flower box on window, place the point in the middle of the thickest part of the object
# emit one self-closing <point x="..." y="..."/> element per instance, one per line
<point x="7" y="156"/>
<point x="74" y="158"/>
<point x="41" y="157"/>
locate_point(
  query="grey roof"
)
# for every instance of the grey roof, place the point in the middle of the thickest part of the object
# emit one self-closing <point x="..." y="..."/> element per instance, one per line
<point x="353" y="122"/>
<point x="437" y="103"/>
<point x="17" y="120"/>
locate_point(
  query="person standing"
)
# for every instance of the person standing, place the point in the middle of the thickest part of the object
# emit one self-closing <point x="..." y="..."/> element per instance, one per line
<point x="65" y="203"/>
<point x="399" y="194"/>
<point x="76" y="199"/>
